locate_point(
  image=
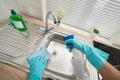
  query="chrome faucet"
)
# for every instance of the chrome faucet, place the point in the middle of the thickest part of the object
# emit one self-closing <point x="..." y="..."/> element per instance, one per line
<point x="46" y="22"/>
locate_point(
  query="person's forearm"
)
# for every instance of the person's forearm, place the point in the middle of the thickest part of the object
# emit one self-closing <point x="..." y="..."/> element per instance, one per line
<point x="108" y="72"/>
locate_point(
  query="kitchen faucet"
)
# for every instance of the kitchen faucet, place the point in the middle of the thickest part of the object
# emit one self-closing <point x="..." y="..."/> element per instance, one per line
<point x="46" y="22"/>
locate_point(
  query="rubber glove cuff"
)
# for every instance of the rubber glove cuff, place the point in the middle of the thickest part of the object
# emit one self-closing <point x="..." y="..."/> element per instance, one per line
<point x="98" y="59"/>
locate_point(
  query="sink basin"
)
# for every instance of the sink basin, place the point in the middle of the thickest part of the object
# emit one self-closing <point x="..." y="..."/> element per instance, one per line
<point x="60" y="62"/>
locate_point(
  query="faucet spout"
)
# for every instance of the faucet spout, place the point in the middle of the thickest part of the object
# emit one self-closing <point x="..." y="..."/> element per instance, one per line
<point x="46" y="22"/>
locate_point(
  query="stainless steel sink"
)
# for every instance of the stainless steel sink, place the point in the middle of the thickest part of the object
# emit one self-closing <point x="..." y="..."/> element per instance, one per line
<point x="59" y="64"/>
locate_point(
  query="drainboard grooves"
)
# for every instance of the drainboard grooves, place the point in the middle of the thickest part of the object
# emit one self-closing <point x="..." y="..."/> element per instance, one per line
<point x="13" y="44"/>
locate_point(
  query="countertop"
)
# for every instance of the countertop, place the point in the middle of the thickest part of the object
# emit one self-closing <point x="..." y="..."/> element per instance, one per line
<point x="21" y="62"/>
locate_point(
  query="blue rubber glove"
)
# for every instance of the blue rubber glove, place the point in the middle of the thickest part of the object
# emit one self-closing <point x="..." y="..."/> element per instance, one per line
<point x="37" y="67"/>
<point x="37" y="62"/>
<point x="95" y="56"/>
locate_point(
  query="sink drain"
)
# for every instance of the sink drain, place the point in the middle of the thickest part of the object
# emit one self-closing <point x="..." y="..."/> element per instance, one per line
<point x="54" y="52"/>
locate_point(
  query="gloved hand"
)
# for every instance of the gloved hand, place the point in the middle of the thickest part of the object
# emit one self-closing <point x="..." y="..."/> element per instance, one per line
<point x="37" y="62"/>
<point x="95" y="56"/>
<point x="37" y="67"/>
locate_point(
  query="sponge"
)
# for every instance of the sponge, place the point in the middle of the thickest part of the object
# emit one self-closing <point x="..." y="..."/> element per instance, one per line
<point x="42" y="52"/>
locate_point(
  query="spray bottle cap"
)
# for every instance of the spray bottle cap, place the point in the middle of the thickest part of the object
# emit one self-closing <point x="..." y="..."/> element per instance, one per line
<point x="13" y="12"/>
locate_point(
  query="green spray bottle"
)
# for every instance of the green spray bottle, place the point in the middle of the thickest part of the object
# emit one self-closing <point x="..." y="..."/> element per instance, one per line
<point x="17" y="20"/>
